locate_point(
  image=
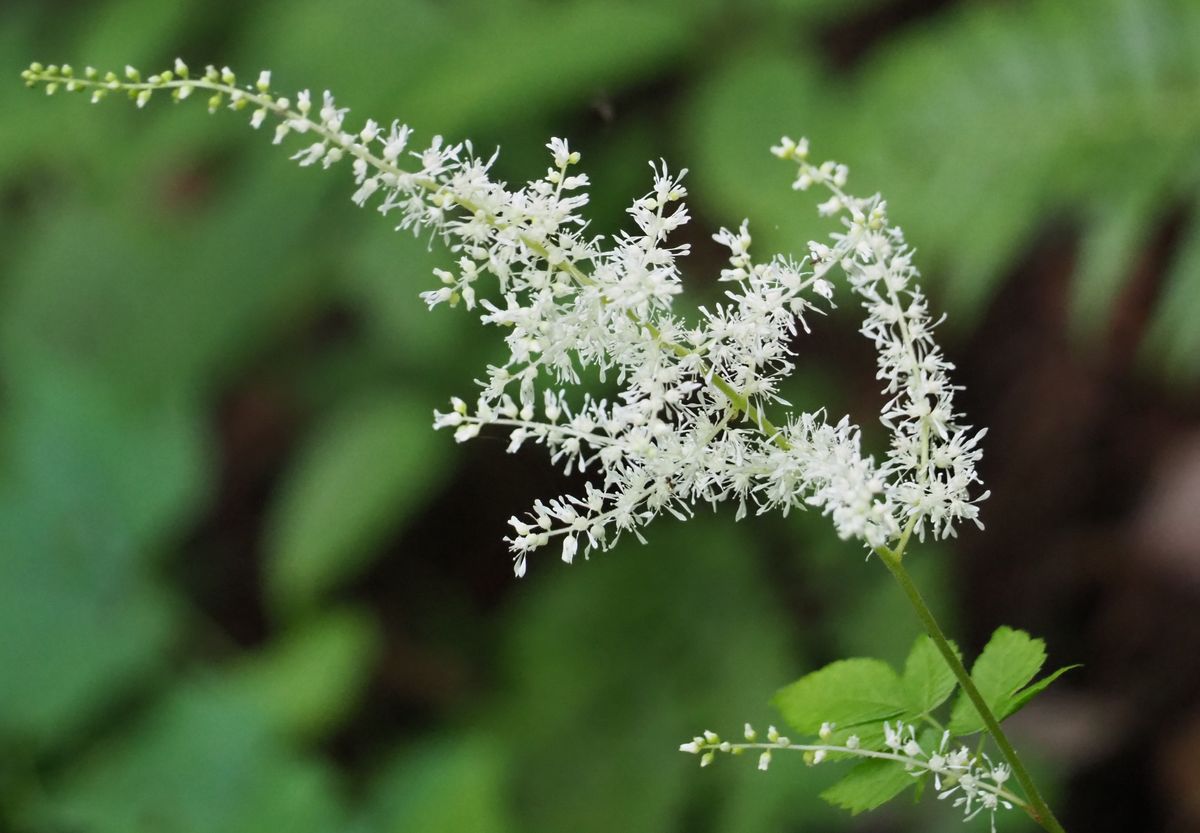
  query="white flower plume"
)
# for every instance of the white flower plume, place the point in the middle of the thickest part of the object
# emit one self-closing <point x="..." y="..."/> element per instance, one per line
<point x="689" y="423"/>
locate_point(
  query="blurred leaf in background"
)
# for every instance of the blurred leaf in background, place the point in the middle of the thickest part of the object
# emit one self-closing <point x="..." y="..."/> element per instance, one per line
<point x="982" y="127"/>
<point x="369" y="468"/>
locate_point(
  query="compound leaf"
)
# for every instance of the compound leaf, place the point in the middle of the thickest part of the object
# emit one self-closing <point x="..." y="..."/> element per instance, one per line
<point x="927" y="680"/>
<point x="847" y="692"/>
<point x="869" y="785"/>
<point x="1009" y="661"/>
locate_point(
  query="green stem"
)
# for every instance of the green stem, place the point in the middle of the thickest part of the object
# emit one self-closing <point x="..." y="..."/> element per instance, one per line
<point x="1038" y="809"/>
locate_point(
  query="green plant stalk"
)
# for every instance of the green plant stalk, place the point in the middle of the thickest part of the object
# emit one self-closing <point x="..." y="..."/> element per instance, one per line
<point x="1037" y="808"/>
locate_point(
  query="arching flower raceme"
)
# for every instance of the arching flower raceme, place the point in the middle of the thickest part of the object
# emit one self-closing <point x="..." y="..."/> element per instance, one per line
<point x="971" y="779"/>
<point x="689" y="422"/>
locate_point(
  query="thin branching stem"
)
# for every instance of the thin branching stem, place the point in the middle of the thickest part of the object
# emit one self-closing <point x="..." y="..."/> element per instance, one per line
<point x="1037" y="808"/>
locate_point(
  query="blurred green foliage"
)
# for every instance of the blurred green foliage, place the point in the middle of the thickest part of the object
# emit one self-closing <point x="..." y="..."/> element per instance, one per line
<point x="983" y="126"/>
<point x="167" y="278"/>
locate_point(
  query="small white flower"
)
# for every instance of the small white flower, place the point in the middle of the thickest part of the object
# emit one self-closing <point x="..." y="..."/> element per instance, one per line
<point x="569" y="548"/>
<point x="892" y="737"/>
<point x="466" y="432"/>
<point x="563" y="156"/>
<point x="449" y="420"/>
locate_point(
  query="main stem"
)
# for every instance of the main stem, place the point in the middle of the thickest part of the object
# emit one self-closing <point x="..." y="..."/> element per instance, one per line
<point x="1038" y="809"/>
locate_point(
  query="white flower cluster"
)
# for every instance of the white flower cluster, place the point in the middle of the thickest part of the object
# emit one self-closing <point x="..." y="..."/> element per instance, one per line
<point x="975" y="784"/>
<point x="930" y="468"/>
<point x="688" y="424"/>
<point x="972" y="780"/>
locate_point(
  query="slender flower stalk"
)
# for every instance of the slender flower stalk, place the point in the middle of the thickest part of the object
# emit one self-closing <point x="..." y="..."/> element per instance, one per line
<point x="972" y="780"/>
<point x="1038" y="809"/>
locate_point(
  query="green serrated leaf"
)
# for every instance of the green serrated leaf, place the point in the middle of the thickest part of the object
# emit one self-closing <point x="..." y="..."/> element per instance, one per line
<point x="1009" y="661"/>
<point x="927" y="680"/>
<point x="869" y="785"/>
<point x="1018" y="700"/>
<point x="848" y="692"/>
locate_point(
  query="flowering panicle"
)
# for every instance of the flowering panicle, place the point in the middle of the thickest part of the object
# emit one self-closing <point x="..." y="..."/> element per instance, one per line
<point x="688" y="424"/>
<point x="930" y="468"/>
<point x="971" y="780"/>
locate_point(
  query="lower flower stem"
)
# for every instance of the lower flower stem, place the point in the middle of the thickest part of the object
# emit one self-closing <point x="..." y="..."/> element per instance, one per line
<point x="1038" y="809"/>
